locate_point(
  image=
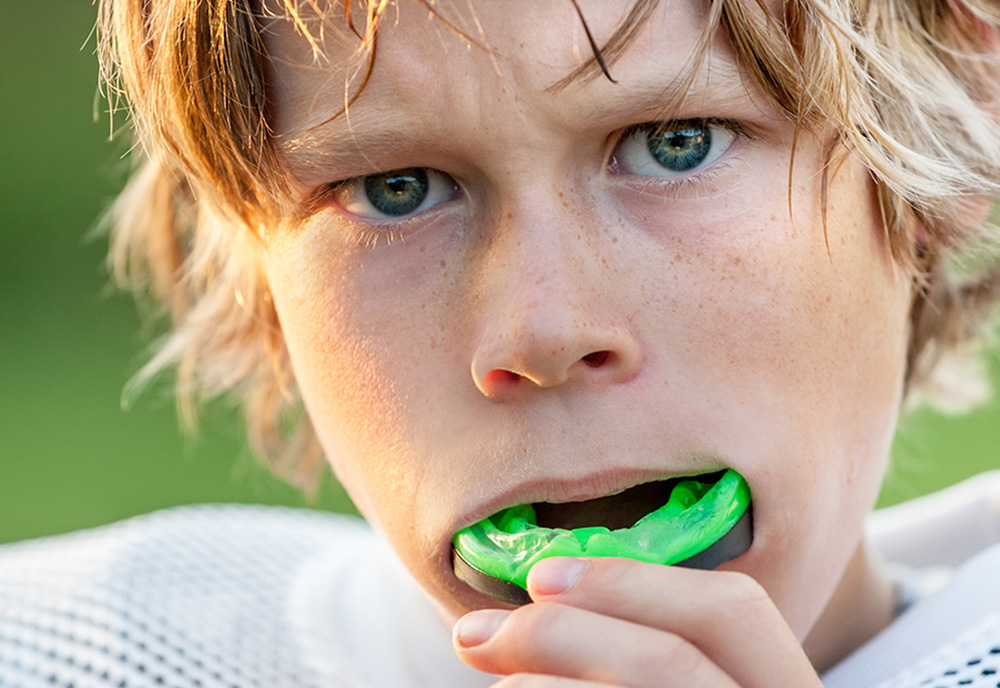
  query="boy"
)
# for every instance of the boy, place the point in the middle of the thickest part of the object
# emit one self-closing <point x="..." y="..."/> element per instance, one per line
<point x="547" y="254"/>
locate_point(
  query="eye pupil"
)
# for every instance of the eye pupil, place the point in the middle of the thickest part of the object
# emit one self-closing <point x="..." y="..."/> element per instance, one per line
<point x="680" y="149"/>
<point x="399" y="192"/>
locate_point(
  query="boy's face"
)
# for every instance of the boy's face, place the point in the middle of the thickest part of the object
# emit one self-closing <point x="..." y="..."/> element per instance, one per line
<point x="557" y="307"/>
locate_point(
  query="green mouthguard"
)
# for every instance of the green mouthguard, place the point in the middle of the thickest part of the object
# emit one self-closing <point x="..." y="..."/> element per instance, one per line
<point x="700" y="513"/>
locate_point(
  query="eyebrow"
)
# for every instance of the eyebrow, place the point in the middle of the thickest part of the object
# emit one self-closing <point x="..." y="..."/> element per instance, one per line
<point x="370" y="132"/>
<point x="723" y="85"/>
<point x="351" y="141"/>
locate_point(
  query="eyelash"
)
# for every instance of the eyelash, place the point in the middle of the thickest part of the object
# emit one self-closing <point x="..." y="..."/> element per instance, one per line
<point x="680" y="181"/>
<point x="734" y="125"/>
<point x="370" y="232"/>
<point x="681" y="188"/>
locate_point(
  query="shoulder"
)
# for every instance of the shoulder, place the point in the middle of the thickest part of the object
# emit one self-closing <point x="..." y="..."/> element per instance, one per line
<point x="185" y="550"/>
<point x="941" y="529"/>
<point x="208" y="529"/>
<point x="950" y="637"/>
<point x="187" y="596"/>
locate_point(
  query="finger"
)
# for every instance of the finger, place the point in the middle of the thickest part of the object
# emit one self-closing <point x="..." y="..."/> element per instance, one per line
<point x="559" y="640"/>
<point x="726" y="614"/>
<point x="543" y="681"/>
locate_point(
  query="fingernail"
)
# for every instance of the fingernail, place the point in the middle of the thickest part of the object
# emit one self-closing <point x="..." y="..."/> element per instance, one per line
<point x="556" y="575"/>
<point x="478" y="627"/>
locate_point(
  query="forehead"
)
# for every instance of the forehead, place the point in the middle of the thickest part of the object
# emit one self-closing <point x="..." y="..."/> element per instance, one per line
<point x="489" y="54"/>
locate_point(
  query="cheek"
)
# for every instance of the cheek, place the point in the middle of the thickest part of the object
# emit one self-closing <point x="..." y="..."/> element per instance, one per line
<point x="370" y="344"/>
<point x="796" y="355"/>
<point x="787" y="308"/>
<point x="786" y="350"/>
<point x="805" y="347"/>
<point x="338" y="372"/>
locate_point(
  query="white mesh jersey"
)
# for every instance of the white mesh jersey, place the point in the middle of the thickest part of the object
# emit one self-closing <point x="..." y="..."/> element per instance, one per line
<point x="240" y="596"/>
<point x="219" y="597"/>
<point x="951" y="637"/>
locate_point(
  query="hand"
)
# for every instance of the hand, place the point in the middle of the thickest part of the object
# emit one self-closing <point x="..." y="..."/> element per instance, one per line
<point x="617" y="622"/>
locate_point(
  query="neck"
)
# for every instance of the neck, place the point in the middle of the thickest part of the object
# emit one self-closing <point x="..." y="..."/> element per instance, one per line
<point x="862" y="605"/>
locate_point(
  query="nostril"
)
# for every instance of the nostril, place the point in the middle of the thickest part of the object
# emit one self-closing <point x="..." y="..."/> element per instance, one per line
<point x="597" y="358"/>
<point x="499" y="377"/>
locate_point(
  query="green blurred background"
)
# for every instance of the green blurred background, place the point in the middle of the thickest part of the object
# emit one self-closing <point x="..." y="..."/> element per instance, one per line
<point x="70" y="457"/>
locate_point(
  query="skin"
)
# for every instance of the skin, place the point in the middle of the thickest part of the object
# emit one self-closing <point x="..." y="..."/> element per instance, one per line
<point x="561" y="329"/>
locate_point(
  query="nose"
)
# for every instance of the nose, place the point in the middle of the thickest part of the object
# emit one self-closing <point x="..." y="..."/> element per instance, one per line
<point x="587" y="354"/>
<point x="552" y="313"/>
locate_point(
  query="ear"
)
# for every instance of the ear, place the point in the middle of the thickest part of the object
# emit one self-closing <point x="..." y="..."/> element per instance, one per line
<point x="974" y="28"/>
<point x="976" y="209"/>
<point x="971" y="212"/>
<point x="976" y="32"/>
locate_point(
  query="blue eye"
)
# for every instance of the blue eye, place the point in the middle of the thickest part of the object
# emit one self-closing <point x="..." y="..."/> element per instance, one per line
<point x="395" y="194"/>
<point x="673" y="148"/>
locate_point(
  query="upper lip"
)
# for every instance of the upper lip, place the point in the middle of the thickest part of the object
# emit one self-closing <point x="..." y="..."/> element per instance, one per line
<point x="573" y="489"/>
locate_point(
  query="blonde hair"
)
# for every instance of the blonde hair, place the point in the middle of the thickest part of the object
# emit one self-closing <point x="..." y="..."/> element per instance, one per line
<point x="910" y="87"/>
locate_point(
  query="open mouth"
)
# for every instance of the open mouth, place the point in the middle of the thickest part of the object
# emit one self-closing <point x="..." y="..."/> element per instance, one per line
<point x="621" y="510"/>
<point x="696" y="521"/>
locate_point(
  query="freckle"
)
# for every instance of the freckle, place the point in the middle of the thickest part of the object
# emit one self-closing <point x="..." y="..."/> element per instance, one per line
<point x="423" y="248"/>
<point x="614" y="240"/>
<point x="443" y="263"/>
